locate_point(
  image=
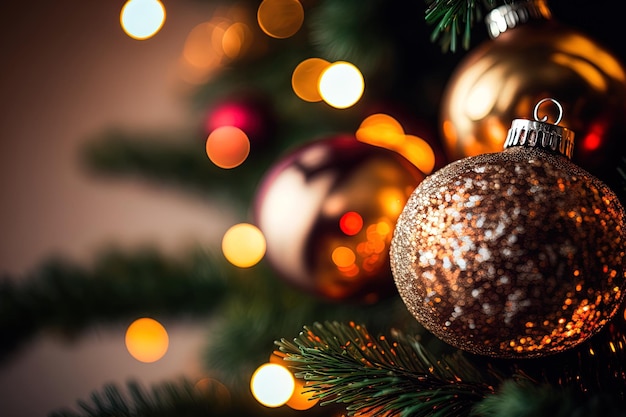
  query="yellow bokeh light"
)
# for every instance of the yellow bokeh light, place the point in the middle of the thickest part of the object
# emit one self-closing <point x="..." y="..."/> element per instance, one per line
<point x="280" y="18"/>
<point x="380" y="130"/>
<point x="146" y="340"/>
<point x="418" y="152"/>
<point x="272" y="385"/>
<point x="305" y="79"/>
<point x="227" y="146"/>
<point x="243" y="245"/>
<point x="341" y="85"/>
<point x="343" y="257"/>
<point x="142" y="19"/>
<point x="302" y="397"/>
<point x="236" y="40"/>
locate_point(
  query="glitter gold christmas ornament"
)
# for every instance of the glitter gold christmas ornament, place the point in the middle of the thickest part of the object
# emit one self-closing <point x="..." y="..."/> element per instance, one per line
<point x="513" y="254"/>
<point x="327" y="210"/>
<point x="531" y="56"/>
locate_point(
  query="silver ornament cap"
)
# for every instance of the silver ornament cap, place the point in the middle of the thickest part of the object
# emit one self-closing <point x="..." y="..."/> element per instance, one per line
<point x="508" y="16"/>
<point x="540" y="134"/>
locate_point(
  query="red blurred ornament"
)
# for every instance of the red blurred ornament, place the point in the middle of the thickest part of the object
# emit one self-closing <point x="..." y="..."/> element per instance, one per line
<point x="250" y="113"/>
<point x="327" y="210"/>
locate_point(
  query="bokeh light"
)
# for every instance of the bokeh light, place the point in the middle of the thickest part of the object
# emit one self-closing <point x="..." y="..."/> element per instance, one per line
<point x="351" y="223"/>
<point x="280" y="18"/>
<point x="381" y="130"/>
<point x="341" y="85"/>
<point x="343" y="257"/>
<point x="418" y="152"/>
<point x="305" y="79"/>
<point x="272" y="385"/>
<point x="142" y="19"/>
<point x="243" y="245"/>
<point x="199" y="57"/>
<point x="236" y="40"/>
<point x="214" y="389"/>
<point x="146" y="340"/>
<point x="385" y="131"/>
<point x="227" y="146"/>
<point x="302" y="397"/>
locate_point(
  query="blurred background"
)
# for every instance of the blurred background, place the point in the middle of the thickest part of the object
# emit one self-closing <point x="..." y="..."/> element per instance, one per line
<point x="72" y="77"/>
<point x="69" y="72"/>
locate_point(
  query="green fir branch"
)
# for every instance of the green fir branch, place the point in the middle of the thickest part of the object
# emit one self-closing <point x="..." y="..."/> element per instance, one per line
<point x="515" y="399"/>
<point x="68" y="297"/>
<point x="454" y="18"/>
<point x="167" y="399"/>
<point x="257" y="313"/>
<point x="343" y="363"/>
<point x="182" y="163"/>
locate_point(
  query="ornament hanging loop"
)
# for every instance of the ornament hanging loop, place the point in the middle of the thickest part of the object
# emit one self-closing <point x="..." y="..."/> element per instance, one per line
<point x="545" y="118"/>
<point x="540" y="134"/>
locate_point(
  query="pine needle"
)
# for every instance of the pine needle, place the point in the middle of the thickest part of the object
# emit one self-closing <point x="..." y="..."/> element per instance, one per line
<point x="343" y="363"/>
<point x="449" y="16"/>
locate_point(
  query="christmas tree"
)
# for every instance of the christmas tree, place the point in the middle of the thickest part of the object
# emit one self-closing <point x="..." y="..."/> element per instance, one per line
<point x="326" y="126"/>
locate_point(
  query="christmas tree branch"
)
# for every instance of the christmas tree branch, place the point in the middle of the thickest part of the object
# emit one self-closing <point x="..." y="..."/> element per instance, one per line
<point x="451" y="18"/>
<point x="345" y="364"/>
<point x="183" y="163"/>
<point x="168" y="399"/>
<point x="68" y="297"/>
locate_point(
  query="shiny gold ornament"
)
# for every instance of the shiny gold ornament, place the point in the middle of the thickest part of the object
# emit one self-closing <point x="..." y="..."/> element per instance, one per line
<point x="519" y="253"/>
<point x="327" y="210"/>
<point x="533" y="56"/>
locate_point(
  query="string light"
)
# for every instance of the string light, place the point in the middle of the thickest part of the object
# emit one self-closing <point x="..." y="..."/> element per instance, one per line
<point x="380" y="130"/>
<point x="280" y="18"/>
<point x="351" y="223"/>
<point x="385" y="131"/>
<point x="305" y="79"/>
<point x="227" y="146"/>
<point x="243" y="245"/>
<point x="146" y="340"/>
<point x="272" y="385"/>
<point x="341" y="85"/>
<point x="142" y="19"/>
<point x="418" y="152"/>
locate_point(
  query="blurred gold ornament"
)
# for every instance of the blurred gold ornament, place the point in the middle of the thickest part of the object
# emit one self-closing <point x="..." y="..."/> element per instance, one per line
<point x="519" y="253"/>
<point x="327" y="210"/>
<point x="533" y="56"/>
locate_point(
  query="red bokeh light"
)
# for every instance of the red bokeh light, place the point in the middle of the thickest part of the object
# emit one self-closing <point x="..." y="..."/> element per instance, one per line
<point x="351" y="223"/>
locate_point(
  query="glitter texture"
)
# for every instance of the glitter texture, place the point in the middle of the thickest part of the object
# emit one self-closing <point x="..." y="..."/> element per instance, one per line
<point x="513" y="254"/>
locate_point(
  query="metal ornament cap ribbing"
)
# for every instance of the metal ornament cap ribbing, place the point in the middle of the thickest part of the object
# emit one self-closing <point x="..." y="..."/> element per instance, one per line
<point x="540" y="134"/>
<point x="508" y="16"/>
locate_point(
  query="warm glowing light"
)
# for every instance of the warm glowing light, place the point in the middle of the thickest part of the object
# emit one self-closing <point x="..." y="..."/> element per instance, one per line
<point x="341" y="85"/>
<point x="243" y="245"/>
<point x="343" y="257"/>
<point x="142" y="19"/>
<point x="351" y="223"/>
<point x="392" y="200"/>
<point x="214" y="389"/>
<point x="385" y="131"/>
<point x="305" y="78"/>
<point x="227" y="147"/>
<point x="302" y="397"/>
<point x="381" y="130"/>
<point x="236" y="40"/>
<point x="280" y="18"/>
<point x="146" y="340"/>
<point x="272" y="384"/>
<point x="418" y="152"/>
